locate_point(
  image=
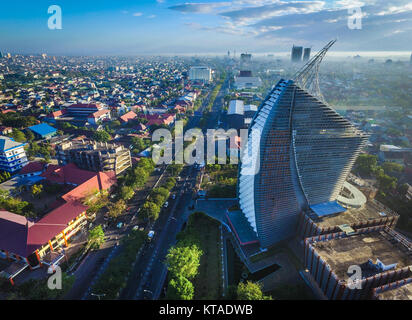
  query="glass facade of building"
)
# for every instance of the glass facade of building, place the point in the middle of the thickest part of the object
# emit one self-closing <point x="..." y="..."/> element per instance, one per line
<point x="305" y="152"/>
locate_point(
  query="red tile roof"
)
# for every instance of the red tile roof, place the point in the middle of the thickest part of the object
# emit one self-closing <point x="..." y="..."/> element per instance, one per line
<point x="32" y="167"/>
<point x="70" y="173"/>
<point x="22" y="236"/>
<point x="128" y="116"/>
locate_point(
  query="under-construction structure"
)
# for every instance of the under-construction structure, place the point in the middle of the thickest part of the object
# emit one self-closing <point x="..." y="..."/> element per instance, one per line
<point x="94" y="156"/>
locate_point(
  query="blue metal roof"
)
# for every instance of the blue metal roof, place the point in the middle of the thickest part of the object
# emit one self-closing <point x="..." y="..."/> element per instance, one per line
<point x="43" y="129"/>
<point x="327" y="208"/>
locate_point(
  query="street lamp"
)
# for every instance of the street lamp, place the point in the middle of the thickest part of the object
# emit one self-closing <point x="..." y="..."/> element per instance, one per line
<point x="98" y="295"/>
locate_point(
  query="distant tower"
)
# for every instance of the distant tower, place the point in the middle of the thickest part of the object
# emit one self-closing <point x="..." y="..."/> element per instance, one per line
<point x="1" y="55"/>
<point x="297" y="54"/>
<point x="410" y="61"/>
<point x="228" y="53"/>
<point x="306" y="54"/>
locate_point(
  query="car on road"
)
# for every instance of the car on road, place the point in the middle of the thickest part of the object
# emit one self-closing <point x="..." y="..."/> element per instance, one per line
<point x="166" y="204"/>
<point x="173" y="196"/>
<point x="150" y="235"/>
<point x="119" y="225"/>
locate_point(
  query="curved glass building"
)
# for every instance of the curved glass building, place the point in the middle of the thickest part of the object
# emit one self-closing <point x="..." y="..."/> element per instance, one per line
<point x="298" y="155"/>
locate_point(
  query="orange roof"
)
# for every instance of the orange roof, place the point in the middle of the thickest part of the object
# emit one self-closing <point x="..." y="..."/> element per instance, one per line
<point x="99" y="113"/>
<point x="128" y="116"/>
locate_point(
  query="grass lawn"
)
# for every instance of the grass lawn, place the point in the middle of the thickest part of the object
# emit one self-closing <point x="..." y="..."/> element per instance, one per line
<point x="208" y="282"/>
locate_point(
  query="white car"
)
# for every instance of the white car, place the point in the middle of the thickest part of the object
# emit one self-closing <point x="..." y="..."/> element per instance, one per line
<point x="166" y="204"/>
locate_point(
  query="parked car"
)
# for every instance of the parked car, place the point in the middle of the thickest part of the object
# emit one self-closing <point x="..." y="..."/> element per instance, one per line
<point x="173" y="196"/>
<point x="166" y="204"/>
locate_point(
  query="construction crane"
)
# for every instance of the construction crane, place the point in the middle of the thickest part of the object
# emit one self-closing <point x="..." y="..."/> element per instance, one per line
<point x="308" y="77"/>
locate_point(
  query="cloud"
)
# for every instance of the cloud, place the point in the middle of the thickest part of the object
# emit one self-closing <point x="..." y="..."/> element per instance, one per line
<point x="279" y="8"/>
<point x="199" y="7"/>
<point x="152" y="16"/>
<point x="137" y="14"/>
<point x="385" y="24"/>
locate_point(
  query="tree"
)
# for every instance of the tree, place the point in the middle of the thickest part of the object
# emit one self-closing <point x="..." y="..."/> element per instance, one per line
<point x="250" y="291"/>
<point x="139" y="143"/>
<point x="146" y="164"/>
<point x="392" y="167"/>
<point x="366" y="163"/>
<point x="180" y="288"/>
<point x="116" y="209"/>
<point x="184" y="261"/>
<point x="101" y="136"/>
<point x="150" y="211"/>
<point x="36" y="190"/>
<point x="386" y="183"/>
<point x="159" y="195"/>
<point x="126" y="193"/>
<point x="18" y="135"/>
<point x="30" y="135"/>
<point x="96" y="237"/>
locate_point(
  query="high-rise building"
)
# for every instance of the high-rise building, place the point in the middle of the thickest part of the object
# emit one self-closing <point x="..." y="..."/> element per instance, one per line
<point x="200" y="74"/>
<point x="245" y="57"/>
<point x="306" y="151"/>
<point x="1" y="55"/>
<point x="297" y="54"/>
<point x="306" y="54"/>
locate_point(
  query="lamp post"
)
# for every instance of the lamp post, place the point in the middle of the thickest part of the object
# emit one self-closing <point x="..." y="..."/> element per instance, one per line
<point x="98" y="295"/>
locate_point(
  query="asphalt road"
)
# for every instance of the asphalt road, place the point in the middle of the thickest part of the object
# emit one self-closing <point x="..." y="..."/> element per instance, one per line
<point x="149" y="273"/>
<point x="88" y="268"/>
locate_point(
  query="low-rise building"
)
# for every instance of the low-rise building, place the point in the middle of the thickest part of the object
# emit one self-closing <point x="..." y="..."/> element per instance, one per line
<point x="99" y="116"/>
<point x="43" y="131"/>
<point x="12" y="155"/>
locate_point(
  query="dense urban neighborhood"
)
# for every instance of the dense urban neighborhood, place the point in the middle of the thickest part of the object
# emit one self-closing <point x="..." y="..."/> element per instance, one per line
<point x="80" y="191"/>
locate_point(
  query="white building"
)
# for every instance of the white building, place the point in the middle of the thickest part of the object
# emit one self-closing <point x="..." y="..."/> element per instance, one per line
<point x="247" y="82"/>
<point x="12" y="155"/>
<point x="200" y="74"/>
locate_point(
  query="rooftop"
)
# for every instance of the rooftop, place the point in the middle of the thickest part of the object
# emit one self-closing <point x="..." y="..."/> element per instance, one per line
<point x="241" y="227"/>
<point x="369" y="211"/>
<point x="42" y="129"/>
<point x="7" y="143"/>
<point x="340" y="253"/>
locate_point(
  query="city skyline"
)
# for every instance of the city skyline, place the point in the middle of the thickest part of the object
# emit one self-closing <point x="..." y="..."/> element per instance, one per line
<point x="204" y="27"/>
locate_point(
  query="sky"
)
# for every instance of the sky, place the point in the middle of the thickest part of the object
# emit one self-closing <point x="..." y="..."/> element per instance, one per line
<point x="172" y="27"/>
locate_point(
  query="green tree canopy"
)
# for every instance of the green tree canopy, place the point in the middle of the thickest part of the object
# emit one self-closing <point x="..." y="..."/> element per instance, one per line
<point x="101" y="136"/>
<point x="117" y="209"/>
<point x="18" y="135"/>
<point x="126" y="193"/>
<point x="96" y="237"/>
<point x="180" y="288"/>
<point x="184" y="261"/>
<point x="250" y="291"/>
<point x="150" y="210"/>
<point x="367" y="164"/>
